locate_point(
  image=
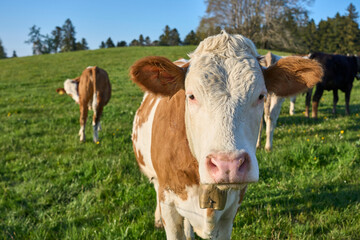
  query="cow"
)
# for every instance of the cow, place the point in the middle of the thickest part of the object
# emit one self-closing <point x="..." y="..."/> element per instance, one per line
<point x="194" y="134"/>
<point x="92" y="91"/>
<point x="272" y="106"/>
<point x="339" y="73"/>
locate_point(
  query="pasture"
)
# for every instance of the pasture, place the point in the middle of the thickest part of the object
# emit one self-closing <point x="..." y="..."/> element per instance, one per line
<point x="54" y="187"/>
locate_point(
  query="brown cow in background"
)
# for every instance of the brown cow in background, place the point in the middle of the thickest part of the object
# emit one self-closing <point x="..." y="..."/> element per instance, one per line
<point x="92" y="90"/>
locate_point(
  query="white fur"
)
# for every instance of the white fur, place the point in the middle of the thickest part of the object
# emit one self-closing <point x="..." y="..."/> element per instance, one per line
<point x="70" y="87"/>
<point x="82" y="133"/>
<point x="226" y="79"/>
<point x="144" y="146"/>
<point x="217" y="227"/>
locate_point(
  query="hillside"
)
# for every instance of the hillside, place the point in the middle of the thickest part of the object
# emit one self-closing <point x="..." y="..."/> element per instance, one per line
<point x="54" y="187"/>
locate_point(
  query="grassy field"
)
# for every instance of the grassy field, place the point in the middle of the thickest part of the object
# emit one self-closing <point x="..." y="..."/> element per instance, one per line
<point x="54" y="187"/>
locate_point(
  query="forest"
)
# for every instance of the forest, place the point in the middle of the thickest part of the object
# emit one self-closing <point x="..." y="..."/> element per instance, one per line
<point x="273" y="25"/>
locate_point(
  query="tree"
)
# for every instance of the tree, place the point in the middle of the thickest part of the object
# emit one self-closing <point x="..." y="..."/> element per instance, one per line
<point x="35" y="40"/>
<point x="174" y="38"/>
<point x="148" y="41"/>
<point x="191" y="39"/>
<point x="351" y="30"/>
<point x="109" y="43"/>
<point x="134" y="42"/>
<point x="57" y="38"/>
<point x="171" y="37"/>
<point x="2" y="51"/>
<point x="47" y="45"/>
<point x="270" y="24"/>
<point x="141" y="40"/>
<point x="14" y="54"/>
<point x="82" y="45"/>
<point x="68" y="41"/>
<point x="310" y="37"/>
<point x="102" y="45"/>
<point x="164" y="38"/>
<point x="121" y="44"/>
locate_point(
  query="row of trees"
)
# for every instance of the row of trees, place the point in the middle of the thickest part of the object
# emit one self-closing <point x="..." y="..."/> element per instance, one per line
<point x="282" y="25"/>
<point x="61" y="39"/>
<point x="271" y="24"/>
<point x="170" y="37"/>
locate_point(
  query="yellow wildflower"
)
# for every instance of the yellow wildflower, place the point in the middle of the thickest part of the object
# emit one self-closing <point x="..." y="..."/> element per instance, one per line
<point x="342" y="132"/>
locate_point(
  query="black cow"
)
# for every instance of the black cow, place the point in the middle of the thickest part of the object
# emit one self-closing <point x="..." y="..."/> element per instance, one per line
<point x="339" y="73"/>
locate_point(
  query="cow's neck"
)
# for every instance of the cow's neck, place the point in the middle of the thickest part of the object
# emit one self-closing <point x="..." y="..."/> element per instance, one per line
<point x="173" y="162"/>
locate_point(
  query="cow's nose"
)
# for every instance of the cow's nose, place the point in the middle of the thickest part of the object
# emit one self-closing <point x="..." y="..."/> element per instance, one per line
<point x="228" y="167"/>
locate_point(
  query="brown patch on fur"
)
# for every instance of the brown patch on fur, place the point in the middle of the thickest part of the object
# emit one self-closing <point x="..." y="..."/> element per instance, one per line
<point x="158" y="75"/>
<point x="139" y="156"/>
<point x="210" y="212"/>
<point x="292" y="75"/>
<point x="173" y="162"/>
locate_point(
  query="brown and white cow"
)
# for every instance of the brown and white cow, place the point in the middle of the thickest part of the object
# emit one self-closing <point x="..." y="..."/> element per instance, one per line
<point x="272" y="106"/>
<point x="92" y="90"/>
<point x="194" y="135"/>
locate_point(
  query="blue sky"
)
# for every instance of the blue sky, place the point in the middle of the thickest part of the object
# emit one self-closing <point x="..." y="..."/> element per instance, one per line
<point x="119" y="19"/>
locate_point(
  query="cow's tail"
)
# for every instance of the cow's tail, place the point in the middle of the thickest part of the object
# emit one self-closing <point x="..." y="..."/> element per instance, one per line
<point x="94" y="70"/>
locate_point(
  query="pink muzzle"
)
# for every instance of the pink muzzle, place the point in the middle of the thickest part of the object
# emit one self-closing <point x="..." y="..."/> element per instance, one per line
<point x="229" y="168"/>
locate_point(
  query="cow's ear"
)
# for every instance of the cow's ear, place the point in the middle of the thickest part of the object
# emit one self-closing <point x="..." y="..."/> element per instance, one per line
<point x="292" y="75"/>
<point x="60" y="91"/>
<point x="158" y="75"/>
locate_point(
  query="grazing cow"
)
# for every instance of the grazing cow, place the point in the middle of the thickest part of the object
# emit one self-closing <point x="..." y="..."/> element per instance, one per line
<point x="339" y="73"/>
<point x="92" y="90"/>
<point x="272" y="106"/>
<point x="194" y="135"/>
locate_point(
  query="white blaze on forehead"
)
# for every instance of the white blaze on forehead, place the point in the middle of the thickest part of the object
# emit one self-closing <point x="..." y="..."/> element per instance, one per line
<point x="71" y="88"/>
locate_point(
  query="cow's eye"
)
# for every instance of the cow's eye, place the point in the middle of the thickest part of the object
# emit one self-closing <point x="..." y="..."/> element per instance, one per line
<point x="191" y="97"/>
<point x="261" y="97"/>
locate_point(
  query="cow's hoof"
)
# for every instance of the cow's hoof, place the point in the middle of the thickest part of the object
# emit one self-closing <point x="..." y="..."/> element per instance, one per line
<point x="159" y="224"/>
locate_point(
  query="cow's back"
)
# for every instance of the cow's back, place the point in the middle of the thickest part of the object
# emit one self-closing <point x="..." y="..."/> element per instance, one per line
<point x="102" y="84"/>
<point x="339" y="70"/>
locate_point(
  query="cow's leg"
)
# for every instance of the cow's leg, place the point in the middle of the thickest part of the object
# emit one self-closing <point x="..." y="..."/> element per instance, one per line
<point x="98" y="109"/>
<point x="347" y="101"/>
<point x="258" y="144"/>
<point x="307" y="102"/>
<point x="292" y="105"/>
<point x="158" y="222"/>
<point x="173" y="221"/>
<point x="264" y="118"/>
<point x="335" y="100"/>
<point x="316" y="99"/>
<point x="83" y="117"/>
<point x="275" y="108"/>
<point x="188" y="229"/>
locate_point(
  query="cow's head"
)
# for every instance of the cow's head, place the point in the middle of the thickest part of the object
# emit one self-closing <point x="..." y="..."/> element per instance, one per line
<point x="225" y="88"/>
<point x="70" y="88"/>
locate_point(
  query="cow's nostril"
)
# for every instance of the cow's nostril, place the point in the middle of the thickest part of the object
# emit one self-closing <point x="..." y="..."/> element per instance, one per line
<point x="212" y="164"/>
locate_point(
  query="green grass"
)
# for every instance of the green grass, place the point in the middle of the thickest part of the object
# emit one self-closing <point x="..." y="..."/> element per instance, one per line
<point x="54" y="187"/>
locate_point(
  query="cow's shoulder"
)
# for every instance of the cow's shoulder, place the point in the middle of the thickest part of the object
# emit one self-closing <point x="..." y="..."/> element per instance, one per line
<point x="173" y="162"/>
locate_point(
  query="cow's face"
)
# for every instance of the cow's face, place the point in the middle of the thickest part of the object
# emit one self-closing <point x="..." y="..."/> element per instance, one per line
<point x="71" y="89"/>
<point x="224" y="104"/>
<point x="225" y="89"/>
